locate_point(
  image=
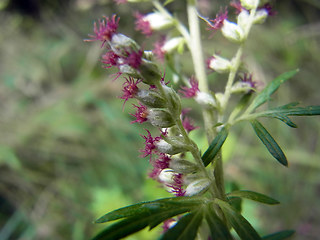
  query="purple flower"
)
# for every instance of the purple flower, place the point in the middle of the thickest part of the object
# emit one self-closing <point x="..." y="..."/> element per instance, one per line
<point x="192" y="91"/>
<point x="110" y="59"/>
<point x="142" y="24"/>
<point x="107" y="27"/>
<point x="187" y="122"/>
<point x="247" y="79"/>
<point x="141" y="114"/>
<point x="176" y="187"/>
<point x="133" y="59"/>
<point x="217" y="23"/>
<point x="162" y="162"/>
<point x="130" y="89"/>
<point x="150" y="146"/>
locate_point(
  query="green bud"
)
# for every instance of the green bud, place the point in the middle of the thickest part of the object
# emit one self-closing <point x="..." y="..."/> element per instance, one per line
<point x="150" y="72"/>
<point x="174" y="101"/>
<point x="183" y="166"/>
<point x="160" y="118"/>
<point x="151" y="99"/>
<point x="197" y="187"/>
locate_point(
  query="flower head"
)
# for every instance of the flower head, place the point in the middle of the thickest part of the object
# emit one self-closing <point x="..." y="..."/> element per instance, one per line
<point x="190" y="92"/>
<point x="107" y="27"/>
<point x="151" y="22"/>
<point x="247" y="79"/>
<point x="130" y="88"/>
<point x="133" y="58"/>
<point x="142" y="24"/>
<point x="110" y="59"/>
<point x="187" y="122"/>
<point x="141" y="114"/>
<point x="162" y="162"/>
<point x="150" y="144"/>
<point x="217" y="23"/>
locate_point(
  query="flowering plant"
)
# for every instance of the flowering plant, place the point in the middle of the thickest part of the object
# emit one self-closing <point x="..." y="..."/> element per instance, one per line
<point x="200" y="208"/>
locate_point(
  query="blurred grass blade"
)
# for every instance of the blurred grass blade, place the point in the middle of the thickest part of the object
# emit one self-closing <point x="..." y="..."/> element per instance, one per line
<point x="269" y="142"/>
<point x="258" y="197"/>
<point x="186" y="228"/>
<point x="151" y="207"/>
<point x="217" y="228"/>
<point x="242" y="227"/>
<point x="265" y="94"/>
<point x="279" y="235"/>
<point x="215" y="146"/>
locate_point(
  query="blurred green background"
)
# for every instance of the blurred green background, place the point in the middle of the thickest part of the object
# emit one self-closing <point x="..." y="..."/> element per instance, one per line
<point x="68" y="153"/>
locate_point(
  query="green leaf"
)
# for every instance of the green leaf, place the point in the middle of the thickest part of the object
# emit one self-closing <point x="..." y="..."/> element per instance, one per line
<point x="151" y="207"/>
<point x="217" y="228"/>
<point x="269" y="142"/>
<point x="290" y="109"/>
<point x="258" y="197"/>
<point x="279" y="235"/>
<point x="186" y="228"/>
<point x="215" y="146"/>
<point x="265" y="94"/>
<point x="242" y="227"/>
<point x="136" y="223"/>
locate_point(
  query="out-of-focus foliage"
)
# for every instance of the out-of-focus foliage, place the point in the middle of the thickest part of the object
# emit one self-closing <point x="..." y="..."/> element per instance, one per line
<point x="68" y="153"/>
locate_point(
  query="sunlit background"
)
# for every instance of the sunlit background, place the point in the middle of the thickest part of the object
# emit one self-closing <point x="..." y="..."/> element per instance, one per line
<point x="68" y="153"/>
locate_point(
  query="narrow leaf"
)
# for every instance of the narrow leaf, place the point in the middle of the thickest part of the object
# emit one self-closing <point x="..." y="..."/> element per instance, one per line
<point x="279" y="235"/>
<point x="215" y="146"/>
<point x="242" y="227"/>
<point x="269" y="142"/>
<point x="186" y="228"/>
<point x="136" y="223"/>
<point x="150" y="207"/>
<point x="217" y="228"/>
<point x="265" y="94"/>
<point x="258" y="197"/>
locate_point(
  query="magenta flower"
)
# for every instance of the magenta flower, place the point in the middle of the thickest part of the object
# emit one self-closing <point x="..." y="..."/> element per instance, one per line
<point x="192" y="91"/>
<point x="142" y="24"/>
<point x="141" y="114"/>
<point x="110" y="59"/>
<point x="176" y="187"/>
<point x="133" y="59"/>
<point x="130" y="89"/>
<point x="107" y="27"/>
<point x="187" y="123"/>
<point x="150" y="146"/>
<point x="159" y="164"/>
<point x="158" y="51"/>
<point x="217" y="23"/>
<point x="247" y="78"/>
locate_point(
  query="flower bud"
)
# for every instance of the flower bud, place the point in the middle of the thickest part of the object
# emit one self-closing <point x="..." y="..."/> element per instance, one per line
<point x="160" y="118"/>
<point x="219" y="64"/>
<point x="174" y="101"/>
<point x="261" y="16"/>
<point x="125" y="68"/>
<point x="183" y="166"/>
<point x="151" y="99"/>
<point x="158" y="21"/>
<point x="167" y="176"/>
<point x="173" y="44"/>
<point x="242" y="87"/>
<point x="249" y="4"/>
<point x="205" y="99"/>
<point x="175" y="146"/>
<point x="243" y="19"/>
<point x="120" y="42"/>
<point x="232" y="31"/>
<point x="150" y="72"/>
<point x="197" y="187"/>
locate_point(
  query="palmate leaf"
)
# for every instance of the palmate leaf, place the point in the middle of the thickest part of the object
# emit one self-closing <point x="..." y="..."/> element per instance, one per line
<point x="290" y="109"/>
<point x="141" y="215"/>
<point x="269" y="142"/>
<point x="279" y="235"/>
<point x="242" y="227"/>
<point x="265" y="94"/>
<point x="218" y="229"/>
<point x="215" y="146"/>
<point x="186" y="228"/>
<point x="258" y="197"/>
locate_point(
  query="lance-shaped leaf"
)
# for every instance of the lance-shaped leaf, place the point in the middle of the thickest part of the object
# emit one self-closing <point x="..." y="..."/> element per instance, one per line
<point x="242" y="227"/>
<point x="269" y="142"/>
<point x="136" y="223"/>
<point x="265" y="94"/>
<point x="151" y="207"/>
<point x="215" y="146"/>
<point x="279" y="235"/>
<point x="290" y="109"/>
<point x="186" y="228"/>
<point x="258" y="197"/>
<point x="218" y="229"/>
